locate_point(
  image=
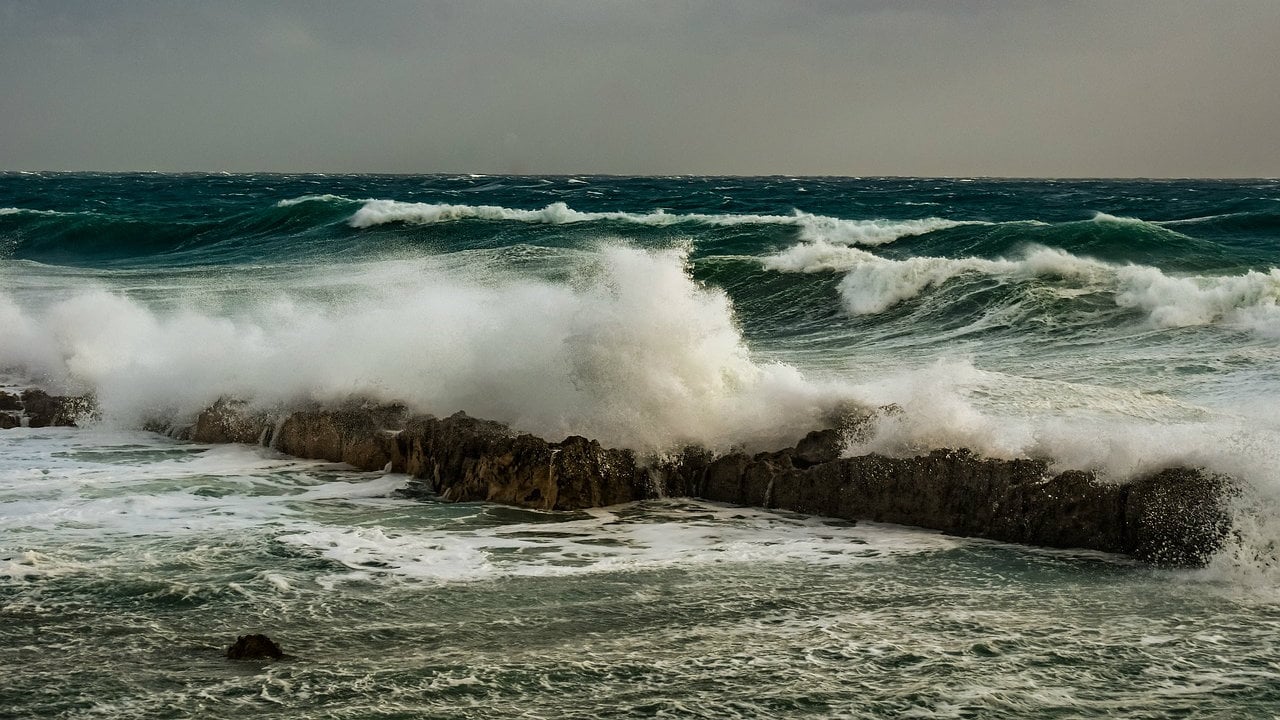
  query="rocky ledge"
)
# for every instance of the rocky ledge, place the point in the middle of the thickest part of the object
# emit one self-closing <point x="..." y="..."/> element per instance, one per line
<point x="37" y="409"/>
<point x="1175" y="517"/>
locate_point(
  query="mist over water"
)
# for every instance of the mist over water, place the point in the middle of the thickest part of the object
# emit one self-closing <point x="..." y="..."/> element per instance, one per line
<point x="1113" y="326"/>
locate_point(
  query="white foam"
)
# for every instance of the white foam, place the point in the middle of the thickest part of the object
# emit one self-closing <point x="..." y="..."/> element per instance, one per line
<point x="685" y="534"/>
<point x="29" y="211"/>
<point x="313" y="198"/>
<point x="1118" y="432"/>
<point x="873" y="284"/>
<point x="1101" y="217"/>
<point x="812" y="227"/>
<point x="95" y="483"/>
<point x="634" y="353"/>
<point x="1247" y="300"/>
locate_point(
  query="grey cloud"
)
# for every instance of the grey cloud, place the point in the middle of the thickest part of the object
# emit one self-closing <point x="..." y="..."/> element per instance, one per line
<point x="1146" y="88"/>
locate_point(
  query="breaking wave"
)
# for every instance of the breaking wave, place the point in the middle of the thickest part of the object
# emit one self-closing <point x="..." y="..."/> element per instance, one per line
<point x="812" y="227"/>
<point x="873" y="284"/>
<point x="635" y="354"/>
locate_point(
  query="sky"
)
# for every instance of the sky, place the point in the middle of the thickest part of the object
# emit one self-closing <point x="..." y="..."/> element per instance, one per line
<point x="1025" y="88"/>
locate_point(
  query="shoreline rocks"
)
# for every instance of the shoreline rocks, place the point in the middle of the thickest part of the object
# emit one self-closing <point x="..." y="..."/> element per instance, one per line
<point x="37" y="408"/>
<point x="1177" y="517"/>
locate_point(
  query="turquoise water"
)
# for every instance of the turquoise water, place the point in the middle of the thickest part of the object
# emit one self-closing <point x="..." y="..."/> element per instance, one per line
<point x="1110" y="325"/>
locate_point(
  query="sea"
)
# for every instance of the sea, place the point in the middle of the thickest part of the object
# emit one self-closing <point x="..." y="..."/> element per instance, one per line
<point x="1118" y="326"/>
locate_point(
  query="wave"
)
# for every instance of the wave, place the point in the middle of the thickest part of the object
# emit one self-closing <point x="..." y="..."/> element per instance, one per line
<point x="635" y="353"/>
<point x="1101" y="217"/>
<point x="631" y="351"/>
<point x="98" y="238"/>
<point x="313" y="198"/>
<point x="873" y="284"/>
<point x="30" y="211"/>
<point x="812" y="227"/>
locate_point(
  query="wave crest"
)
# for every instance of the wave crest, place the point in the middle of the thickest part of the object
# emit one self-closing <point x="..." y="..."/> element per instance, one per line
<point x="637" y="354"/>
<point x="812" y="227"/>
<point x="873" y="284"/>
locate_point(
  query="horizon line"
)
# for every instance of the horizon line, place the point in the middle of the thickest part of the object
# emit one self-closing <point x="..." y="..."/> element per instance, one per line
<point x="321" y="173"/>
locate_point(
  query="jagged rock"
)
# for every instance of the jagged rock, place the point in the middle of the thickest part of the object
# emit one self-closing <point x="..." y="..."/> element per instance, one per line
<point x="358" y="436"/>
<point x="1175" y="517"/>
<point x="952" y="491"/>
<point x="8" y="420"/>
<point x="45" y="410"/>
<point x="819" y="446"/>
<point x="254" y="647"/>
<point x="227" y="421"/>
<point x="1178" y="517"/>
<point x="9" y="401"/>
<point x="465" y="459"/>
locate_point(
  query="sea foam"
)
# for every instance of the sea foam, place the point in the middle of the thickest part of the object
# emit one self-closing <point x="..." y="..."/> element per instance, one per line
<point x="811" y="227"/>
<point x="634" y="353"/>
<point x="873" y="284"/>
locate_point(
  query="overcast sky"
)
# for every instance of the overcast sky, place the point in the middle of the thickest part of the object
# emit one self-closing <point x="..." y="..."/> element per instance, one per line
<point x="1017" y="88"/>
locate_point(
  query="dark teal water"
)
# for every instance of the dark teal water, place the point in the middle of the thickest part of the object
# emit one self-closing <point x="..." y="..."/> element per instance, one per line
<point x="1111" y="325"/>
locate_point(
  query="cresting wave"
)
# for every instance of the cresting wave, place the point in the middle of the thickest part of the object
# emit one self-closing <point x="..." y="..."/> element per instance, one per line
<point x="638" y="354"/>
<point x="635" y="354"/>
<point x="812" y="227"/>
<point x="873" y="284"/>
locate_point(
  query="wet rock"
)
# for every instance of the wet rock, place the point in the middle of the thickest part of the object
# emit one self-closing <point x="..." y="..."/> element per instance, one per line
<point x="1178" y="517"/>
<point x="819" y="446"/>
<point x="254" y="647"/>
<point x="9" y="401"/>
<point x="461" y="458"/>
<point x="45" y="410"/>
<point x="359" y="436"/>
<point x="1174" y="517"/>
<point x="9" y="420"/>
<point x="227" y="421"/>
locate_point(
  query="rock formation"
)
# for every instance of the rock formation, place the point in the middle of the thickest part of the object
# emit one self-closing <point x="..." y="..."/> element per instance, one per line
<point x="40" y="409"/>
<point x="254" y="647"/>
<point x="1176" y="517"/>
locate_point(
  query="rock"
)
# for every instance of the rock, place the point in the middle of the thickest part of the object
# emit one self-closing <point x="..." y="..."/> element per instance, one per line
<point x="254" y="647"/>
<point x="45" y="410"/>
<point x="819" y="446"/>
<point x="227" y="421"/>
<point x="1177" y="517"/>
<point x="9" y="420"/>
<point x="359" y="436"/>
<point x="9" y="401"/>
<point x="465" y="459"/>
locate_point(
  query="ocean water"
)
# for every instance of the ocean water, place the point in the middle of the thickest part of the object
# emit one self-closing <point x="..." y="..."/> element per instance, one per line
<point x="1118" y="326"/>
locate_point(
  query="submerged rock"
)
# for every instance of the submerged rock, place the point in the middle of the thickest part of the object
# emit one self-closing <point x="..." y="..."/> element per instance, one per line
<point x="1176" y="517"/>
<point x="254" y="647"/>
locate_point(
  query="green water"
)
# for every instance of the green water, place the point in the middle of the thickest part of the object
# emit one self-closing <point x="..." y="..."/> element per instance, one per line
<point x="129" y="562"/>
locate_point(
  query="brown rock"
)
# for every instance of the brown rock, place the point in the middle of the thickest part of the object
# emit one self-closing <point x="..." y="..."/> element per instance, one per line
<point x="254" y="647"/>
<point x="45" y="410"/>
<point x="1175" y="517"/>
<point x="358" y="436"/>
<point x="227" y="421"/>
<point x="819" y="446"/>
